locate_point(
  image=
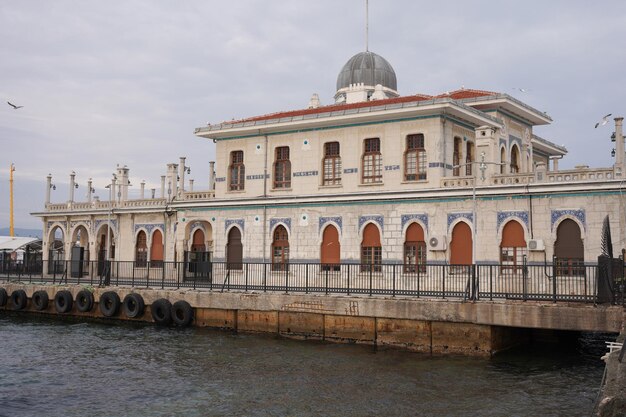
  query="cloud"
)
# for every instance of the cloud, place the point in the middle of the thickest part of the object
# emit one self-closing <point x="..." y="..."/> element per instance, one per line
<point x="127" y="82"/>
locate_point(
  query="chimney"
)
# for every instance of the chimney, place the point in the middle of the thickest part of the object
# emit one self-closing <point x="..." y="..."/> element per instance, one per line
<point x="619" y="146"/>
<point x="162" y="186"/>
<point x="72" y="185"/>
<point x="48" y="188"/>
<point x="89" y="189"/>
<point x="143" y="189"/>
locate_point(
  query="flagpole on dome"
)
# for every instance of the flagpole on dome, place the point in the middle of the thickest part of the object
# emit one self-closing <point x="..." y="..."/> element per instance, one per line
<point x="367" y="26"/>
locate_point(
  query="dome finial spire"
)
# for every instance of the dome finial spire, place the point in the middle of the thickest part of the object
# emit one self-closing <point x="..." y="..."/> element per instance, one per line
<point x="367" y="26"/>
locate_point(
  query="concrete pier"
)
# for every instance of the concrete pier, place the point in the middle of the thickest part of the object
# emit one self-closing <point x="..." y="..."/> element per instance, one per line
<point x="437" y="326"/>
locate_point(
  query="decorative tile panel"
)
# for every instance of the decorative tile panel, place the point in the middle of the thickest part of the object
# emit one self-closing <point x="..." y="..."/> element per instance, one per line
<point x="229" y="222"/>
<point x="452" y="217"/>
<point x="105" y="221"/>
<point x="286" y="221"/>
<point x="421" y="217"/>
<point x="376" y="219"/>
<point x="305" y="174"/>
<point x="50" y="223"/>
<point x="336" y="219"/>
<point x="515" y="139"/>
<point x="504" y="215"/>
<point x="578" y="214"/>
<point x="149" y="227"/>
<point x="350" y="170"/>
<point x="439" y="165"/>
<point x="220" y="179"/>
<point x="257" y="177"/>
<point x="195" y="225"/>
<point x="392" y="167"/>
<point x="87" y="223"/>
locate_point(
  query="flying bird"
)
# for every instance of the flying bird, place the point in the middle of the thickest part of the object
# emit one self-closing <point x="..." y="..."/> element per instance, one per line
<point x="14" y="106"/>
<point x="604" y="121"/>
<point x="521" y="90"/>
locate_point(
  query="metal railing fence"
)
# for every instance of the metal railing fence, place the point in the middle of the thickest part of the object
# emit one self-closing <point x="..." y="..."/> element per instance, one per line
<point x="547" y="282"/>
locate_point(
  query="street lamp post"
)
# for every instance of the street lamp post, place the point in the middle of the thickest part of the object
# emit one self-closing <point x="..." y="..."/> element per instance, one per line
<point x="107" y="263"/>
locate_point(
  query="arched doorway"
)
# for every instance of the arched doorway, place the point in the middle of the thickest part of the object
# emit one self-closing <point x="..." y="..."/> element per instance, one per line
<point x="105" y="236"/>
<point x="56" y="251"/>
<point x="280" y="249"/>
<point x="512" y="247"/>
<point x="371" y="249"/>
<point x="197" y="257"/>
<point x="569" y="249"/>
<point x="461" y="245"/>
<point x="141" y="250"/>
<point x="156" y="249"/>
<point x="414" y="249"/>
<point x="80" y="252"/>
<point x="330" y="252"/>
<point x="234" y="250"/>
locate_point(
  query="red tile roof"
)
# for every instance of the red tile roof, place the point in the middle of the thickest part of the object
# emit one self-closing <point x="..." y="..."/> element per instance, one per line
<point x="456" y="95"/>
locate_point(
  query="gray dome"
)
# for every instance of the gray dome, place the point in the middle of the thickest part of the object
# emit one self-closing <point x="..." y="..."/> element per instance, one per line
<point x="367" y="68"/>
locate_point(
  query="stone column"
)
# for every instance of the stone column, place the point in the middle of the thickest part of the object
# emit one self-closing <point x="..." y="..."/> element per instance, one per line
<point x="89" y="189"/>
<point x="143" y="189"/>
<point x="181" y="174"/>
<point x="153" y="190"/>
<point x="190" y="185"/>
<point x="211" y="175"/>
<point x="555" y="164"/>
<point x="48" y="188"/>
<point x="72" y="186"/>
<point x="162" y="186"/>
<point x="619" y="145"/>
<point x="113" y="194"/>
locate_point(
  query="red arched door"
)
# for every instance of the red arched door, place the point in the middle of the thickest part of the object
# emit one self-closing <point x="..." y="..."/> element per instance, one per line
<point x="234" y="249"/>
<point x="331" y="249"/>
<point x="461" y="245"/>
<point x="141" y="250"/>
<point x="512" y="247"/>
<point x="156" y="249"/>
<point x="371" y="249"/>
<point x="414" y="249"/>
<point x="569" y="249"/>
<point x="280" y="249"/>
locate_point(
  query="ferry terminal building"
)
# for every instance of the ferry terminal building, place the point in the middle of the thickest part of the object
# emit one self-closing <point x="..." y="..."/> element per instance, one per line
<point x="375" y="178"/>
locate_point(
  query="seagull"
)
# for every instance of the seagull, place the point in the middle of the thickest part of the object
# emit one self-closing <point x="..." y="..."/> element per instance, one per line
<point x="604" y="121"/>
<point x="521" y="90"/>
<point x="14" y="106"/>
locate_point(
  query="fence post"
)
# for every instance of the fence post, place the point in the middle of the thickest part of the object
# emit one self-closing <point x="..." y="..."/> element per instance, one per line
<point x="306" y="279"/>
<point x="147" y="275"/>
<point x="246" y="282"/>
<point x="326" y="279"/>
<point x="525" y="278"/>
<point x="371" y="268"/>
<point x="348" y="292"/>
<point x="393" y="291"/>
<point x="474" y="283"/>
<point x="264" y="277"/>
<point x="554" y="279"/>
<point x="443" y="282"/>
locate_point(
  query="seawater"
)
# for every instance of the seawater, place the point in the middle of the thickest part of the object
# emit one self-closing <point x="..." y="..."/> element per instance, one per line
<point x="64" y="368"/>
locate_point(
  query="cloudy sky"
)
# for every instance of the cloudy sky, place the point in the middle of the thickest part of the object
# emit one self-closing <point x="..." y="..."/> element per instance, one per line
<point x="126" y="82"/>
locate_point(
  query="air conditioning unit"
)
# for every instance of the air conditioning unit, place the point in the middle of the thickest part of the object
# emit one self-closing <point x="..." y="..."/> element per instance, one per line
<point x="437" y="243"/>
<point x="536" y="244"/>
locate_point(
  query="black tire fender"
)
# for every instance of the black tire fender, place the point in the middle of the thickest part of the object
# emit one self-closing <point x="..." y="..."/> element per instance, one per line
<point x="4" y="297"/>
<point x="40" y="300"/>
<point x="133" y="305"/>
<point x="63" y="301"/>
<point x="182" y="313"/>
<point x="19" y="299"/>
<point x="84" y="301"/>
<point x="161" y="311"/>
<point x="109" y="303"/>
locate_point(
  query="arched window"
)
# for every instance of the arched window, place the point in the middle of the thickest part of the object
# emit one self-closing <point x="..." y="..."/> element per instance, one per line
<point x="512" y="247"/>
<point x="237" y="171"/>
<point x="515" y="159"/>
<point x="330" y="256"/>
<point x="469" y="158"/>
<point x="461" y="245"/>
<point x="569" y="249"/>
<point x="372" y="162"/>
<point x="414" y="249"/>
<point x="234" y="250"/>
<point x="415" y="158"/>
<point x="332" y="164"/>
<point x="141" y="250"/>
<point x="456" y="156"/>
<point x="156" y="249"/>
<point x="282" y="168"/>
<point x="371" y="249"/>
<point x="280" y="249"/>
<point x="502" y="160"/>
